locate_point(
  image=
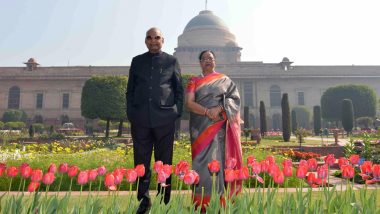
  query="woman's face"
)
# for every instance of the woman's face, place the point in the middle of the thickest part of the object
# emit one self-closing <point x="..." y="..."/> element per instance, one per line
<point x="207" y="62"/>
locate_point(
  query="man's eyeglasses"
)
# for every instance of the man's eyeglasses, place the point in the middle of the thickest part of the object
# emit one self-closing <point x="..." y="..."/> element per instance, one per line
<point x="151" y="38"/>
<point x="207" y="60"/>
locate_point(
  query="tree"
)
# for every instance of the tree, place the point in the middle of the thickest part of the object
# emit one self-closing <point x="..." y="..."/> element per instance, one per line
<point x="364" y="122"/>
<point x="294" y="121"/>
<point x="347" y="115"/>
<point x="14" y="115"/>
<point x="363" y="100"/>
<point x="31" y="131"/>
<point x="263" y="119"/>
<point x="303" y="117"/>
<point x="285" y="117"/>
<point x="317" y="120"/>
<point x="104" y="97"/>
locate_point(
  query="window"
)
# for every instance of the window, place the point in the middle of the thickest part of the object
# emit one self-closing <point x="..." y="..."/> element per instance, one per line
<point x="65" y="100"/>
<point x="14" y="98"/>
<point x="275" y="96"/>
<point x="39" y="100"/>
<point x="301" y="98"/>
<point x="248" y="93"/>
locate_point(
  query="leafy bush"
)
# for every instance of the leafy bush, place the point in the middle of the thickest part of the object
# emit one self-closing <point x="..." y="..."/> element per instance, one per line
<point x="14" y="115"/>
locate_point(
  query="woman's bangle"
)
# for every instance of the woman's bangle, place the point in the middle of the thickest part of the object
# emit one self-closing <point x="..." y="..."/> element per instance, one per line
<point x="205" y="112"/>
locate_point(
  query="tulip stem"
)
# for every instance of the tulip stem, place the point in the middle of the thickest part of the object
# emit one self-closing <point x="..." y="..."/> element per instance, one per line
<point x="60" y="182"/>
<point x="10" y="185"/>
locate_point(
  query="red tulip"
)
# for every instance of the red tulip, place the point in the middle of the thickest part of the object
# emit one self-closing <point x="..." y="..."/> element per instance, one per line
<point x="118" y="175"/>
<point x="158" y="166"/>
<point x="140" y="170"/>
<point x="182" y="168"/>
<point x="161" y="177"/>
<point x="287" y="163"/>
<point x="167" y="169"/>
<point x="301" y="172"/>
<point x="52" y="168"/>
<point x="36" y="175"/>
<point x="72" y="171"/>
<point x="366" y="167"/>
<point x="82" y="178"/>
<point x="48" y="178"/>
<point x="92" y="174"/>
<point x="63" y="167"/>
<point x="304" y="163"/>
<point x="272" y="169"/>
<point x="26" y="171"/>
<point x="131" y="175"/>
<point x="348" y="171"/>
<point x="214" y="166"/>
<point x="271" y="159"/>
<point x="322" y="171"/>
<point x="109" y="181"/>
<point x="243" y="173"/>
<point x="23" y="165"/>
<point x="311" y="178"/>
<point x="376" y="172"/>
<point x="3" y="167"/>
<point x="256" y="168"/>
<point x="189" y="178"/>
<point x="264" y="165"/>
<point x="229" y="175"/>
<point x="342" y="161"/>
<point x="231" y="163"/>
<point x="329" y="159"/>
<point x="278" y="177"/>
<point x="12" y="171"/>
<point x="250" y="160"/>
<point x="288" y="171"/>
<point x="312" y="163"/>
<point x="102" y="170"/>
<point x="354" y="159"/>
<point x="196" y="181"/>
<point x="33" y="186"/>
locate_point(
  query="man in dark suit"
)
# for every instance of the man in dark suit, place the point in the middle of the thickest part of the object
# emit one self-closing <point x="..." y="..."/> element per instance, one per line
<point x="154" y="102"/>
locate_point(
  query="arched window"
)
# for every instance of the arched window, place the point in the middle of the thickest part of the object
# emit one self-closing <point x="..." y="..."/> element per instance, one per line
<point x="275" y="96"/>
<point x="14" y="98"/>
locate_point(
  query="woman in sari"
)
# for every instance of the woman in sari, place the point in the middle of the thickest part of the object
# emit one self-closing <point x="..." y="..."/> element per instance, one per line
<point x="214" y="104"/>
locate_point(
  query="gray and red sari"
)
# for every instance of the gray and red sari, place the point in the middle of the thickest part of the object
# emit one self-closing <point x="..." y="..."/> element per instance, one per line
<point x="214" y="140"/>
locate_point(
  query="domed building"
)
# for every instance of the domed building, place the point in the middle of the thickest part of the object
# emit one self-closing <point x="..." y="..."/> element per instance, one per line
<point x="207" y="31"/>
<point x="53" y="94"/>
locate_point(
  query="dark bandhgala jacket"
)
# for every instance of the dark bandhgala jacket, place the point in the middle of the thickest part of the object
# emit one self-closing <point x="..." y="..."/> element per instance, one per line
<point x="154" y="92"/>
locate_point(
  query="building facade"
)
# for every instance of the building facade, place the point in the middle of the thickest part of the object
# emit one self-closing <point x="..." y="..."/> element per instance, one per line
<point x="55" y="92"/>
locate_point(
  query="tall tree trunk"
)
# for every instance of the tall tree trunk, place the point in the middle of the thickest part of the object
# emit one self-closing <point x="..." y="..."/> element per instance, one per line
<point x="108" y="128"/>
<point x="120" y="130"/>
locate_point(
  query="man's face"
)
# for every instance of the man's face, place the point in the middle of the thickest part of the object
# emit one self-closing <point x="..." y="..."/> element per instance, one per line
<point x="154" y="40"/>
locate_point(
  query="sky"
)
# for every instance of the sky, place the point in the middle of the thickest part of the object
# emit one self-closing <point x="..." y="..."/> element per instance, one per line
<point x="111" y="32"/>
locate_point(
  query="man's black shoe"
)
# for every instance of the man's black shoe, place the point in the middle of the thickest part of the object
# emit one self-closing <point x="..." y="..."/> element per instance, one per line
<point x="144" y="206"/>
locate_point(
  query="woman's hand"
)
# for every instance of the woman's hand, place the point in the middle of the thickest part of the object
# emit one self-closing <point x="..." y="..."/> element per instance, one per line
<point x="213" y="113"/>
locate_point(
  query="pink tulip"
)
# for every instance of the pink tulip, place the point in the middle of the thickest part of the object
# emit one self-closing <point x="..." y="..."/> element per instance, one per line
<point x="158" y="166"/>
<point x="33" y="186"/>
<point x="131" y="175"/>
<point x="189" y="178"/>
<point x="348" y="171"/>
<point x="48" y="178"/>
<point x="243" y="173"/>
<point x="3" y="168"/>
<point x="301" y="172"/>
<point x="229" y="175"/>
<point x="63" y="168"/>
<point x="26" y="171"/>
<point x="140" y="170"/>
<point x="12" y="171"/>
<point x="278" y="177"/>
<point x="92" y="174"/>
<point x="161" y="177"/>
<point x="102" y="170"/>
<point x="109" y="181"/>
<point x="354" y="159"/>
<point x="256" y="167"/>
<point x="322" y="171"/>
<point x="231" y="163"/>
<point x="312" y="163"/>
<point x="82" y="178"/>
<point x="342" y="161"/>
<point x="250" y="160"/>
<point x="264" y="165"/>
<point x="329" y="159"/>
<point x="288" y="171"/>
<point x="182" y="168"/>
<point x="52" y="168"/>
<point x="196" y="181"/>
<point x="167" y="169"/>
<point x="36" y="175"/>
<point x="72" y="171"/>
<point x="271" y="159"/>
<point x="287" y="162"/>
